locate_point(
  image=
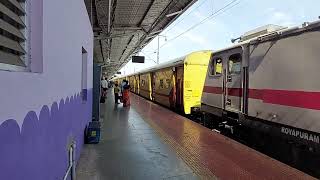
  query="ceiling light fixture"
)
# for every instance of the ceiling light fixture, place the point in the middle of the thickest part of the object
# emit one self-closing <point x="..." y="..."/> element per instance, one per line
<point x="173" y="14"/>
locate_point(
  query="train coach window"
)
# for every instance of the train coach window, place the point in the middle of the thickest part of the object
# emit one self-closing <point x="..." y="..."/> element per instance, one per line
<point x="216" y="67"/>
<point x="234" y="64"/>
<point x="161" y="84"/>
<point x="168" y="82"/>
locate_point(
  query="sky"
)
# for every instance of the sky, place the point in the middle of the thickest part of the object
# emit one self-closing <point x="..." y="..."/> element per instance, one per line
<point x="221" y="20"/>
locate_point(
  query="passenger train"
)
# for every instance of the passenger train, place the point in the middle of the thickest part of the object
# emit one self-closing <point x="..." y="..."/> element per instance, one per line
<point x="268" y="90"/>
<point x="177" y="84"/>
<point x="265" y="88"/>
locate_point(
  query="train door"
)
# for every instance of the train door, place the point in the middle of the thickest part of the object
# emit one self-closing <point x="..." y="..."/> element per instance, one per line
<point x="138" y="83"/>
<point x="134" y="84"/>
<point x="233" y="80"/>
<point x="179" y="88"/>
<point x="153" y="84"/>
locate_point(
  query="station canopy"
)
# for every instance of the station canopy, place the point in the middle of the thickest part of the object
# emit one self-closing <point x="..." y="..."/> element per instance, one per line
<point x="123" y="27"/>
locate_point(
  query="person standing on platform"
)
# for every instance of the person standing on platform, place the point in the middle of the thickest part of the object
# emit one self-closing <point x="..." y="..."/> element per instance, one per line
<point x="126" y="94"/>
<point x="104" y="86"/>
<point x="123" y="83"/>
<point x="121" y="90"/>
<point x="116" y="93"/>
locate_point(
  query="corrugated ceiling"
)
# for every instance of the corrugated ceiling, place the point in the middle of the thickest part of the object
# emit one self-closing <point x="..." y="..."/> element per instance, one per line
<point x="132" y="23"/>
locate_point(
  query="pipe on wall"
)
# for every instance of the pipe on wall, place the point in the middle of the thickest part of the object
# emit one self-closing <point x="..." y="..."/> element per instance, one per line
<point x="72" y="164"/>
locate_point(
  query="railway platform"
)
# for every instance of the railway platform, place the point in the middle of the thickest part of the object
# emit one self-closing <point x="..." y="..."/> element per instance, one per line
<point x="148" y="141"/>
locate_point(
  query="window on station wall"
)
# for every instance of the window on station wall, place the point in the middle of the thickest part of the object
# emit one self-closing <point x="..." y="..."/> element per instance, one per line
<point x="161" y="85"/>
<point x="13" y="35"/>
<point x="234" y="64"/>
<point x="216" y="68"/>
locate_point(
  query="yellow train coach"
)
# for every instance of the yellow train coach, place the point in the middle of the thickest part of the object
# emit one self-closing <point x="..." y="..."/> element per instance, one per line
<point x="118" y="80"/>
<point x="176" y="84"/>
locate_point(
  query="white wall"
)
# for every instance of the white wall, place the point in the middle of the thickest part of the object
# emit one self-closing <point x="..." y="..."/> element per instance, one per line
<point x="66" y="28"/>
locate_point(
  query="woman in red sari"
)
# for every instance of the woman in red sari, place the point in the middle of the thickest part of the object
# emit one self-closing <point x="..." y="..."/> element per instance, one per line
<point x="126" y="94"/>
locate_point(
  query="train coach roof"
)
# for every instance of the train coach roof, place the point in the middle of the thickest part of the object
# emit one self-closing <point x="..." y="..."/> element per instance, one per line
<point x="171" y="63"/>
<point x="277" y="34"/>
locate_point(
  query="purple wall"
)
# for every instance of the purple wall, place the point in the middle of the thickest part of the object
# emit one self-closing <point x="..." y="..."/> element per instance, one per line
<point x="42" y="111"/>
<point x="39" y="150"/>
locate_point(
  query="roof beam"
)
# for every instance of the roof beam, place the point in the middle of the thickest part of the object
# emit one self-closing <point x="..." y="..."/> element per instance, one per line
<point x="146" y="12"/>
<point x="123" y="27"/>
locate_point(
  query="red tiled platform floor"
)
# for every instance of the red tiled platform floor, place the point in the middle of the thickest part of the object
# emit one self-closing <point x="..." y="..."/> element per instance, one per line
<point x="224" y="157"/>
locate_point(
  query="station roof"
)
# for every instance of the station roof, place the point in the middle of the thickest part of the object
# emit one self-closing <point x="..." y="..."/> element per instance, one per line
<point x="130" y="25"/>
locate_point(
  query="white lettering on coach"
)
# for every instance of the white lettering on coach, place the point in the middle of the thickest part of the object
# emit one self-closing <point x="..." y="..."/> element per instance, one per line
<point x="300" y="134"/>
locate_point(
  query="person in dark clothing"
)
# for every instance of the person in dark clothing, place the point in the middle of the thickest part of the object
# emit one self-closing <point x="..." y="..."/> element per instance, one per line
<point x="116" y="93"/>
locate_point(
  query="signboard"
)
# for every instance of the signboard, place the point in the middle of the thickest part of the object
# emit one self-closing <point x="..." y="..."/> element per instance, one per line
<point x="137" y="59"/>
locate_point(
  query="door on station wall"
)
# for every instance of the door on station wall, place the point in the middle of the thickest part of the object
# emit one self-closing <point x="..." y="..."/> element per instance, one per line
<point x="233" y="81"/>
<point x="179" y="88"/>
<point x="84" y="75"/>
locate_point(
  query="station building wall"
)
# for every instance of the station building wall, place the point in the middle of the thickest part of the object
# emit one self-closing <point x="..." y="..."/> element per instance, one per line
<point x="42" y="111"/>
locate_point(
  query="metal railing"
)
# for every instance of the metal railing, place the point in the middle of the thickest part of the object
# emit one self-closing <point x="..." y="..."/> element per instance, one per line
<point x="72" y="164"/>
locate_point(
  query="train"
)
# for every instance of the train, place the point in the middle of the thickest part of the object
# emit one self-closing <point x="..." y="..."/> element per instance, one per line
<point x="263" y="88"/>
<point x="266" y="88"/>
<point x="176" y="84"/>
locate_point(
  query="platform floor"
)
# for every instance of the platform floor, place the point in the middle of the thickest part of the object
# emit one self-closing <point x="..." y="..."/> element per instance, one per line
<point x="129" y="149"/>
<point x="147" y="141"/>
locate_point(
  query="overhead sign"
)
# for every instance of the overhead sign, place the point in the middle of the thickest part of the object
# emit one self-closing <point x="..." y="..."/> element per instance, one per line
<point x="137" y="59"/>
